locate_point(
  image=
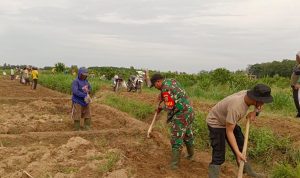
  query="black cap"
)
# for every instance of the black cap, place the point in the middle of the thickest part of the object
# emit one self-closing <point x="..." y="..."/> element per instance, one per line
<point x="260" y="92"/>
<point x="154" y="78"/>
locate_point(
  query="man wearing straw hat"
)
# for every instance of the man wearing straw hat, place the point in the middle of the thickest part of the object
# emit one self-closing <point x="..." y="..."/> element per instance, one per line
<point x="222" y="124"/>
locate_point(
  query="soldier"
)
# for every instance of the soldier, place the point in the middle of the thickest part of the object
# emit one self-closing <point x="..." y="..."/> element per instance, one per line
<point x="81" y="99"/>
<point x="295" y="83"/>
<point x="180" y="116"/>
<point x="222" y="125"/>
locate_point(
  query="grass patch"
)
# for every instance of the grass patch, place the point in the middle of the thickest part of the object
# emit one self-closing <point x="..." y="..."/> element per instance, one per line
<point x="201" y="132"/>
<point x="286" y="171"/>
<point x="137" y="109"/>
<point x="68" y="170"/>
<point x="112" y="158"/>
<point x="63" y="82"/>
<point x="262" y="141"/>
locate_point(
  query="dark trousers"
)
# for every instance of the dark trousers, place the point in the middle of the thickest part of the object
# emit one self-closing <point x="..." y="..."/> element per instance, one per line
<point x="217" y="141"/>
<point x="34" y="84"/>
<point x="296" y="100"/>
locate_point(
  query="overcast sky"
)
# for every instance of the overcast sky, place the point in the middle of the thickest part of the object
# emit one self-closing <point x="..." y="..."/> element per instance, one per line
<point x="176" y="35"/>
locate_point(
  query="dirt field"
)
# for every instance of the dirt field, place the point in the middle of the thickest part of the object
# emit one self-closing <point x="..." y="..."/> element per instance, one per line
<point x="36" y="137"/>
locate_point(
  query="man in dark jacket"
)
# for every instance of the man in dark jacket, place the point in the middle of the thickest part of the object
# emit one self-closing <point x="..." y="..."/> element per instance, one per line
<point x="81" y="99"/>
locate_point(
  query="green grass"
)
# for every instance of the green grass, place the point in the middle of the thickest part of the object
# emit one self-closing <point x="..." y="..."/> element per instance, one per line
<point x="286" y="171"/>
<point x="68" y="170"/>
<point x="137" y="109"/>
<point x="262" y="141"/>
<point x="111" y="159"/>
<point x="201" y="131"/>
<point x="63" y="82"/>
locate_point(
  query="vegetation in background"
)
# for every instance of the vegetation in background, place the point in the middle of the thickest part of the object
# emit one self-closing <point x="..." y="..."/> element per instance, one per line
<point x="60" y="67"/>
<point x="283" y="68"/>
<point x="137" y="109"/>
<point x="63" y="82"/>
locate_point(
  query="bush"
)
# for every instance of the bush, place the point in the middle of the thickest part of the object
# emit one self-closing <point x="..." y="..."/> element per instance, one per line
<point x="60" y="67"/>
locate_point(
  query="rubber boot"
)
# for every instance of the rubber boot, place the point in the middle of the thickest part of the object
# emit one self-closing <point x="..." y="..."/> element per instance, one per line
<point x="76" y="125"/>
<point x="190" y="151"/>
<point x="213" y="170"/>
<point x="175" y="159"/>
<point x="87" y="123"/>
<point x="250" y="172"/>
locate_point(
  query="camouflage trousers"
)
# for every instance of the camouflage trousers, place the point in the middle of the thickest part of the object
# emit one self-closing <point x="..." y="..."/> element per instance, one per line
<point x="181" y="130"/>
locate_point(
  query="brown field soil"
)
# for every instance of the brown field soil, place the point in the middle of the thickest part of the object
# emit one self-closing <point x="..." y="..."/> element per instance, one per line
<point x="37" y="137"/>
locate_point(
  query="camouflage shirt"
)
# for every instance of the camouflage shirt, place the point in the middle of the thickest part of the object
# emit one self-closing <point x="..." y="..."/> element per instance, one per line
<point x="175" y="97"/>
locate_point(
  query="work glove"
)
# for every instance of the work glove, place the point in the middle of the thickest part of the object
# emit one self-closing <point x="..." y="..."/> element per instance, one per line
<point x="87" y="99"/>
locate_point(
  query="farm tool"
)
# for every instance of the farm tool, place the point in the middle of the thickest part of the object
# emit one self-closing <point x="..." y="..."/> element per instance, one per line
<point x="245" y="166"/>
<point x="242" y="163"/>
<point x="153" y="121"/>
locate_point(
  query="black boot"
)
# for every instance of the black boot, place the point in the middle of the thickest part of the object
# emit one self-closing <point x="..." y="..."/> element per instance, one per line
<point x="213" y="170"/>
<point x="190" y="151"/>
<point x="175" y="159"/>
<point x="250" y="172"/>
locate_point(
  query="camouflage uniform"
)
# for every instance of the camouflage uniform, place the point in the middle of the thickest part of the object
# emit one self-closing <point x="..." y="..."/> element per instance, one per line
<point x="178" y="106"/>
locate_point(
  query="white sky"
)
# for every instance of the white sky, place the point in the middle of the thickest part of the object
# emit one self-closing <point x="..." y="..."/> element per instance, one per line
<point x="174" y="35"/>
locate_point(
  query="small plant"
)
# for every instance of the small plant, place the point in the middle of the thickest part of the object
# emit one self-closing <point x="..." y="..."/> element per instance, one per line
<point x="112" y="158"/>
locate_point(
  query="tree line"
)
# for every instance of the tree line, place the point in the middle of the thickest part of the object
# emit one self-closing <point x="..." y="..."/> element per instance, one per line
<point x="282" y="68"/>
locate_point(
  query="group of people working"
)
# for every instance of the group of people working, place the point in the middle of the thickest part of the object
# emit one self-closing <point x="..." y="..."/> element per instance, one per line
<point x="25" y="75"/>
<point x="222" y="120"/>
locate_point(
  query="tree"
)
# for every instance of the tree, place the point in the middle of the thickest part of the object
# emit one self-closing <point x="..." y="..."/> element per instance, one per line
<point x="281" y="68"/>
<point x="221" y="76"/>
<point x="60" y="67"/>
<point x="74" y="69"/>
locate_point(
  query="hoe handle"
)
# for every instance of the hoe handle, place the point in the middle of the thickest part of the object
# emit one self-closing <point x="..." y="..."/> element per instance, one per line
<point x="153" y="121"/>
<point x="242" y="163"/>
<point x="151" y="126"/>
